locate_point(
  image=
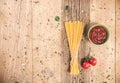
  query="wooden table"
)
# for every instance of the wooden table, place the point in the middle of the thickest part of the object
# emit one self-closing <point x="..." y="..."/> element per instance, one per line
<point x="34" y="47"/>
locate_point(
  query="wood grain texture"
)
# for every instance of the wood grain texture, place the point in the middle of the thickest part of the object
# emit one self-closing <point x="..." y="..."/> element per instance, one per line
<point x="65" y="58"/>
<point x="103" y="12"/>
<point x="117" y="41"/>
<point x="47" y="49"/>
<point x="15" y="41"/>
<point x="75" y="13"/>
<point x="34" y="47"/>
<point x="84" y="46"/>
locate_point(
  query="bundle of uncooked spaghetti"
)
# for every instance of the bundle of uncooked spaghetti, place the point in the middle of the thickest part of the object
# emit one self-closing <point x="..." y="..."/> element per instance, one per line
<point x="74" y="30"/>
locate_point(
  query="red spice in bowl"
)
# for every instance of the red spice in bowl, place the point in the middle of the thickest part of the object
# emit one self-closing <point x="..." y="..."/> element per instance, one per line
<point x="98" y="34"/>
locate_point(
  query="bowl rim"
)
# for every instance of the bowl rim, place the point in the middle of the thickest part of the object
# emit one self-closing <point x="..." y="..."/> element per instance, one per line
<point x="94" y="25"/>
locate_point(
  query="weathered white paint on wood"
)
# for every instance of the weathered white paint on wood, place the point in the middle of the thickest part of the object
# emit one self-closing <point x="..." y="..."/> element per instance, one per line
<point x="103" y="12"/>
<point x="15" y="41"/>
<point x="34" y="48"/>
<point x="47" y="50"/>
<point x="117" y="41"/>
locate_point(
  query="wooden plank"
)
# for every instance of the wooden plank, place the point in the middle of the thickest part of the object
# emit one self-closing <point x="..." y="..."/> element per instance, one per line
<point x="47" y="42"/>
<point x="117" y="41"/>
<point x="103" y="12"/>
<point x="30" y="33"/>
<point x="65" y="58"/>
<point x="75" y="14"/>
<point x="15" y="45"/>
<point x="85" y="11"/>
<point x="84" y="46"/>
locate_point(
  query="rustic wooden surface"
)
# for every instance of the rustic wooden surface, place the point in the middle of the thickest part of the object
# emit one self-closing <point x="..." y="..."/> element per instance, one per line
<point x="117" y="41"/>
<point x="47" y="49"/>
<point x="104" y="12"/>
<point x="15" y="41"/>
<point x="34" y="47"/>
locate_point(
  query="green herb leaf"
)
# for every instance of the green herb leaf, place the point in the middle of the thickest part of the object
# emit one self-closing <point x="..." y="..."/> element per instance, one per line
<point x="57" y="18"/>
<point x="66" y="8"/>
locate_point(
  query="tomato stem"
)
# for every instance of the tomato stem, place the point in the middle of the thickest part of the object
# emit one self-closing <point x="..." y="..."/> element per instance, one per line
<point x="89" y="51"/>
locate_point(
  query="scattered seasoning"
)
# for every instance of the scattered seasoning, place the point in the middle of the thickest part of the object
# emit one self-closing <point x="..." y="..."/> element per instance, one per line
<point x="57" y="18"/>
<point x="108" y="76"/>
<point x="36" y="2"/>
<point x="57" y="25"/>
<point x="55" y="52"/>
<point x="104" y="8"/>
<point x="37" y="74"/>
<point x="17" y="56"/>
<point x="25" y="53"/>
<point x="111" y="19"/>
<point x="13" y="59"/>
<point x="101" y="8"/>
<point x="82" y="82"/>
<point x="23" y="64"/>
<point x="10" y="56"/>
<point x="16" y="82"/>
<point x="82" y="11"/>
<point x="107" y="20"/>
<point x="5" y="3"/>
<point x="48" y="20"/>
<point x="104" y="82"/>
<point x="41" y="62"/>
<point x="91" y="80"/>
<point x="37" y="48"/>
<point x="25" y="47"/>
<point x="66" y="8"/>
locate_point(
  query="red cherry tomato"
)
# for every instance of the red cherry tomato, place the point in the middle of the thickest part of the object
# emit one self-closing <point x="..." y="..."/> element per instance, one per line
<point x="93" y="61"/>
<point x="86" y="65"/>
